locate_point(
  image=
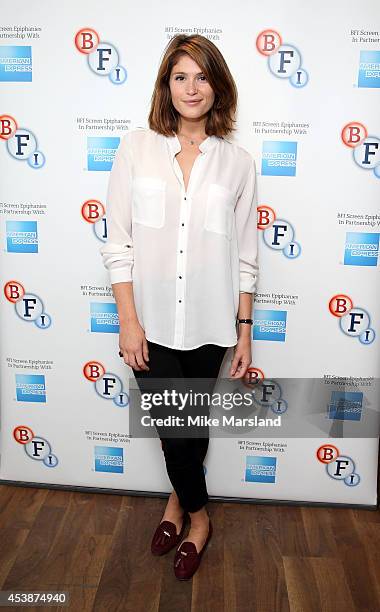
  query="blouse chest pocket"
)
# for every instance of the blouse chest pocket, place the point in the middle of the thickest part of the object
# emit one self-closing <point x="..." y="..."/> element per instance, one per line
<point x="219" y="210"/>
<point x="148" y="201"/>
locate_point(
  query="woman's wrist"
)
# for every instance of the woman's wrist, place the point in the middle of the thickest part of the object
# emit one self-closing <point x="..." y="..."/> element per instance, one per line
<point x="244" y="330"/>
<point x="128" y="321"/>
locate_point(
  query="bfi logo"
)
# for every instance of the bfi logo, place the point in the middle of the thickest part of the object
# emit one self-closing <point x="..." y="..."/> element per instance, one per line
<point x="338" y="467"/>
<point x="353" y="321"/>
<point x="28" y="306"/>
<point x="278" y="234"/>
<point x="93" y="212"/>
<point x="365" y="148"/>
<point x="102" y="57"/>
<point x="35" y="447"/>
<point x="21" y="143"/>
<point x="107" y="385"/>
<point x="266" y="393"/>
<point x="283" y="59"/>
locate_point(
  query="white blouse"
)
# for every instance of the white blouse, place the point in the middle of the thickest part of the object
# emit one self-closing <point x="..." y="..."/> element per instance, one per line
<point x="188" y="253"/>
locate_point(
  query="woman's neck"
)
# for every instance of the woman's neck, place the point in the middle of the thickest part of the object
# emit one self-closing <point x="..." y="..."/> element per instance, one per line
<point x="192" y="129"/>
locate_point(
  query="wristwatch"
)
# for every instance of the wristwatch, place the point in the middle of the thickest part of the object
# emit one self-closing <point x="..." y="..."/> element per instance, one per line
<point x="250" y="321"/>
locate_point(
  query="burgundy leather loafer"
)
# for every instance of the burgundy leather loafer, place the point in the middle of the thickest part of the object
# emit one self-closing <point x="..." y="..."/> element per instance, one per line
<point x="165" y="537"/>
<point x="187" y="559"/>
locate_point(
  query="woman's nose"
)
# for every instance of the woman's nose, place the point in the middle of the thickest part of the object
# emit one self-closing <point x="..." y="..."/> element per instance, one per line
<point x="191" y="87"/>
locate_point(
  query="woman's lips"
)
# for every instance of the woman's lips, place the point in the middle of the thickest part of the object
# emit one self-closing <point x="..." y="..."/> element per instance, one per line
<point x="192" y="102"/>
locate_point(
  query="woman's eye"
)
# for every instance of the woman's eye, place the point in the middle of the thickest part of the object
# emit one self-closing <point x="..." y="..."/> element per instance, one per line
<point x="202" y="77"/>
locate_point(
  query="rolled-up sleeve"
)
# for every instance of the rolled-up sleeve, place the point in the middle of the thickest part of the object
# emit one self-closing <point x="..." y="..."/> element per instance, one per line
<point x="117" y="252"/>
<point x="247" y="232"/>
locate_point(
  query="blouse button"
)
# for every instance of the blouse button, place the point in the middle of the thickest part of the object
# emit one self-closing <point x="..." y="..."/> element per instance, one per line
<point x="181" y="251"/>
<point x="180" y="277"/>
<point x="183" y="224"/>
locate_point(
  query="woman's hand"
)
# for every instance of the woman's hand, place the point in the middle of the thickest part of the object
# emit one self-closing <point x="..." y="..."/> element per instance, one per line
<point x="242" y="357"/>
<point x="134" y="346"/>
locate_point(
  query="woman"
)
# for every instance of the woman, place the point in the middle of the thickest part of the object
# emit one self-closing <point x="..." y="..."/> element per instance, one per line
<point x="181" y="253"/>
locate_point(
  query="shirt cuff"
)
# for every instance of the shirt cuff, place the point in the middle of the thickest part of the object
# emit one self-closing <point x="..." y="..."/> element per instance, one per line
<point x="247" y="282"/>
<point x="121" y="275"/>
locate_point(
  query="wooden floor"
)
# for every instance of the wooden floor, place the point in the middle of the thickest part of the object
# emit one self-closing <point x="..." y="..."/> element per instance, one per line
<point x="262" y="558"/>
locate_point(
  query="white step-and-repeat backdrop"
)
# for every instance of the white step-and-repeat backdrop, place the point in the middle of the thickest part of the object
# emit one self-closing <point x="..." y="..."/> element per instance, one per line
<point x="74" y="78"/>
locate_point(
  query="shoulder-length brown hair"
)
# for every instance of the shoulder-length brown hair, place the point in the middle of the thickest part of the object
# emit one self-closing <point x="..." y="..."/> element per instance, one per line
<point x="164" y="118"/>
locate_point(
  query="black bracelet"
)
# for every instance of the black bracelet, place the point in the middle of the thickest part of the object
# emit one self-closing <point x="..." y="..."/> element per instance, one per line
<point x="250" y="321"/>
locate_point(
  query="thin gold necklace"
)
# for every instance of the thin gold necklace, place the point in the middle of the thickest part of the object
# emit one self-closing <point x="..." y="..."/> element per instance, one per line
<point x="190" y="140"/>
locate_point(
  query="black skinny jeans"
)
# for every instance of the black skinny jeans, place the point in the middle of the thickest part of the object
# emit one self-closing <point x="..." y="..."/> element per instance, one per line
<point x="184" y="456"/>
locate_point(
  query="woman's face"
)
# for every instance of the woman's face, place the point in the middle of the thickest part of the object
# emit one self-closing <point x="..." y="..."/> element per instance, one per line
<point x="188" y="84"/>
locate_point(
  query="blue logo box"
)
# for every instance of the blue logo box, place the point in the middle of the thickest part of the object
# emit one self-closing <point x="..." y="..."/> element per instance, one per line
<point x="279" y="158"/>
<point x="15" y="63"/>
<point x="109" y="459"/>
<point x="369" y="69"/>
<point x="345" y="405"/>
<point x="104" y="317"/>
<point x="101" y="152"/>
<point x="361" y="249"/>
<point x="22" y="236"/>
<point x="260" y="469"/>
<point x="30" y="388"/>
<point x="269" y="325"/>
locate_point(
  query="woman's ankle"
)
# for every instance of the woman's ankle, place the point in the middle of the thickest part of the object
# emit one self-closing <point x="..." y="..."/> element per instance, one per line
<point x="199" y="517"/>
<point x="173" y="503"/>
